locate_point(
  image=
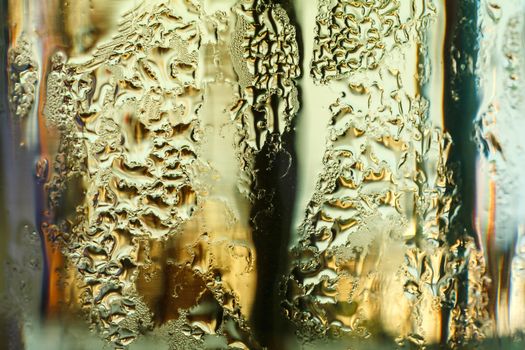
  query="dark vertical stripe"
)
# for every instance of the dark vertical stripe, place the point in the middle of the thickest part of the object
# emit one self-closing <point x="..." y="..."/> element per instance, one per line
<point x="460" y="108"/>
<point x="271" y="216"/>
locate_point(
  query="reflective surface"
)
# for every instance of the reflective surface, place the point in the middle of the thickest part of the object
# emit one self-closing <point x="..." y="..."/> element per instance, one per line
<point x="248" y="174"/>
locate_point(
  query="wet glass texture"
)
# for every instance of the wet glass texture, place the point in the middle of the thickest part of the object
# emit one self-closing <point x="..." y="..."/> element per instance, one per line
<point x="262" y="174"/>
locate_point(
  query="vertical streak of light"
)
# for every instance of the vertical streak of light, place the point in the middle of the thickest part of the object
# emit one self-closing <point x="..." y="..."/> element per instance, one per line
<point x="436" y="48"/>
<point x="484" y="218"/>
<point x="52" y="257"/>
<point x="313" y="116"/>
<point x="433" y="91"/>
<point x="501" y="24"/>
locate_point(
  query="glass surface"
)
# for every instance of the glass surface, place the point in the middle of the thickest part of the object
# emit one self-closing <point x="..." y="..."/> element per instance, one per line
<point x="250" y="174"/>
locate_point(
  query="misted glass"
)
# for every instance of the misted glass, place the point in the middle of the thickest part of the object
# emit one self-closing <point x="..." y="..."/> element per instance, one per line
<point x="251" y="174"/>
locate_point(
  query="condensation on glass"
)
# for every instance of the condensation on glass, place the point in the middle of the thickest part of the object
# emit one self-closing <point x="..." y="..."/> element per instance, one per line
<point x="250" y="174"/>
